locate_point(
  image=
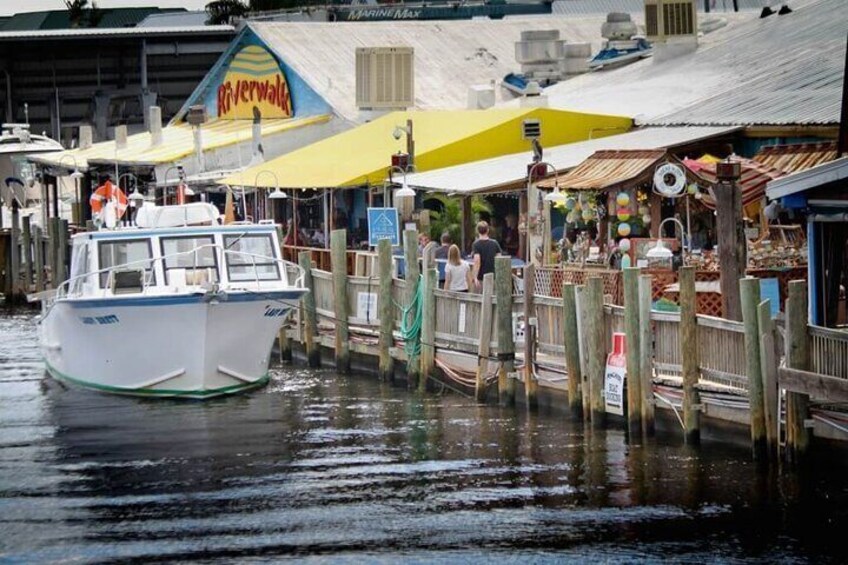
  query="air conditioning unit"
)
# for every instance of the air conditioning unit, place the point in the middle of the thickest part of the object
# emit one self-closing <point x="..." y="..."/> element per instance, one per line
<point x="666" y="19"/>
<point x="384" y="78"/>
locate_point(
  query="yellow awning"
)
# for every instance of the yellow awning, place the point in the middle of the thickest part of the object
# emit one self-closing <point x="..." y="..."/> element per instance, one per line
<point x="442" y="138"/>
<point x="177" y="142"/>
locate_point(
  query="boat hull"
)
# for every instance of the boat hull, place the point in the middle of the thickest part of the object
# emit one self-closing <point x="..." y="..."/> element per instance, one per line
<point x="189" y="346"/>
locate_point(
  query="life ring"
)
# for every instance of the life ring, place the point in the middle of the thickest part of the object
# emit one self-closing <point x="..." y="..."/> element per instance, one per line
<point x="669" y="180"/>
<point x="109" y="192"/>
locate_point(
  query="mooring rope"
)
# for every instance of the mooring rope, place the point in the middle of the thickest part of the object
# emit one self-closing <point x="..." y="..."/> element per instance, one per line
<point x="410" y="330"/>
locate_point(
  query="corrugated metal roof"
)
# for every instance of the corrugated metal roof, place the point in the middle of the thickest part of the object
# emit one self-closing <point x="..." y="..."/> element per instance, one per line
<point x="177" y="142"/>
<point x="582" y="7"/>
<point x="450" y="56"/>
<point x="511" y="170"/>
<point x="115" y="32"/>
<point x="776" y="70"/>
<point x="606" y="169"/>
<point x="753" y="181"/>
<point x="822" y="174"/>
<point x="797" y="156"/>
<point x="60" y="19"/>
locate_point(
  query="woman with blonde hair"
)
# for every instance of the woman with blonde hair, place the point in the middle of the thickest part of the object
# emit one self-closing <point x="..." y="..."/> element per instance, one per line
<point x="457" y="272"/>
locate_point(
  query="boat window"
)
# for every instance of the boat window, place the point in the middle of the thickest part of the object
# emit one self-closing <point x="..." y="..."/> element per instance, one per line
<point x="79" y="266"/>
<point x="251" y="257"/>
<point x="126" y="254"/>
<point x="195" y="268"/>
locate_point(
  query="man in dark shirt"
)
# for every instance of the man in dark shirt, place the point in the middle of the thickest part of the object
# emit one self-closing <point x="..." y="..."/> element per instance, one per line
<point x="442" y="250"/>
<point x="485" y="250"/>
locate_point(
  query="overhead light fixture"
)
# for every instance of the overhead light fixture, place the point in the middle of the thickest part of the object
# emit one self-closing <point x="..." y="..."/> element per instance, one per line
<point x="135" y="198"/>
<point x="277" y="194"/>
<point x="188" y="191"/>
<point x="659" y="251"/>
<point x="555" y="196"/>
<point x="405" y="190"/>
<point x="77" y="174"/>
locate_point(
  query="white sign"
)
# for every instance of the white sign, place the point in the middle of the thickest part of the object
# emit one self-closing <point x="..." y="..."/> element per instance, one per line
<point x="517" y="327"/>
<point x="614" y="390"/>
<point x="462" y="317"/>
<point x="669" y="180"/>
<point x="366" y="305"/>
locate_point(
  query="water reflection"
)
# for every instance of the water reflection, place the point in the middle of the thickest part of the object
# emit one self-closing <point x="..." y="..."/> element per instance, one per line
<point x="324" y="465"/>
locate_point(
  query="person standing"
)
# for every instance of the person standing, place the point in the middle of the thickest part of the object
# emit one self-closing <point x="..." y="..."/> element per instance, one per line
<point x="443" y="249"/>
<point x="457" y="272"/>
<point x="484" y="250"/>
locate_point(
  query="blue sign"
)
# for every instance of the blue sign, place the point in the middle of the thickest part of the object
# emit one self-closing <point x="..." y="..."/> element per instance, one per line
<point x="383" y="223"/>
<point x="770" y="290"/>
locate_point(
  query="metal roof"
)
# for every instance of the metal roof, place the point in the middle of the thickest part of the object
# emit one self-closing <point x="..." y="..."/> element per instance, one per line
<point x="776" y="70"/>
<point x="60" y="19"/>
<point x="511" y="170"/>
<point x="802" y="181"/>
<point x="752" y="183"/>
<point x="177" y="142"/>
<point x="583" y="7"/>
<point x="450" y="56"/>
<point x="797" y="156"/>
<point x="607" y="169"/>
<point x="117" y="32"/>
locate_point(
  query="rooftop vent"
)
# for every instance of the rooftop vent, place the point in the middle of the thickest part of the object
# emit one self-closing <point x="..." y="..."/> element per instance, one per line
<point x="666" y="19"/>
<point x="531" y="129"/>
<point x="384" y="78"/>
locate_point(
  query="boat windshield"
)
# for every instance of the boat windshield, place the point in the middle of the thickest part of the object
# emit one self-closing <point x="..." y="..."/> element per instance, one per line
<point x="251" y="257"/>
<point x="193" y="268"/>
<point x="126" y="255"/>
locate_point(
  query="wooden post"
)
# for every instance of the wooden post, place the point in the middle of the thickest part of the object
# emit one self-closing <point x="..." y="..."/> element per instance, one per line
<point x="15" y="235"/>
<point x="428" y="328"/>
<point x="593" y="334"/>
<point x="572" y="349"/>
<point x="27" y="254"/>
<point x="38" y="244"/>
<point x="310" y="317"/>
<point x="285" y="343"/>
<point x="646" y="356"/>
<point x="386" y="369"/>
<point x="797" y="357"/>
<point x="689" y="355"/>
<point x="338" y="260"/>
<point x="530" y="384"/>
<point x="768" y="365"/>
<point x="483" y="349"/>
<point x="51" y="250"/>
<point x="631" y="331"/>
<point x="62" y="250"/>
<point x="506" y="342"/>
<point x="410" y="252"/>
<point x="732" y="247"/>
<point x="749" y="291"/>
<point x="585" y="387"/>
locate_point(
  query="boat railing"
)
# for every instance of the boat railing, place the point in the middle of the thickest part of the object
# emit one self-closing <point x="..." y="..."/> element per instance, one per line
<point x="291" y="273"/>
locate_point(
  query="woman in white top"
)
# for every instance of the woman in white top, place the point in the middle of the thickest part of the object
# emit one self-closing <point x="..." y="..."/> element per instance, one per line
<point x="457" y="272"/>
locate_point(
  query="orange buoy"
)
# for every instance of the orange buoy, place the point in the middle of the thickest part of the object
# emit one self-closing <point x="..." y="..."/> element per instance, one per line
<point x="106" y="192"/>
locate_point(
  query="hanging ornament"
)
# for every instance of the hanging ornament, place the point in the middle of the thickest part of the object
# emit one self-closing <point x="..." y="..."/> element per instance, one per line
<point x="571" y="217"/>
<point x="569" y="203"/>
<point x="623" y="214"/>
<point x="624" y="245"/>
<point x="623" y="229"/>
<point x="644" y="210"/>
<point x="646" y="219"/>
<point x="587" y="214"/>
<point x="623" y="199"/>
<point x="693" y="188"/>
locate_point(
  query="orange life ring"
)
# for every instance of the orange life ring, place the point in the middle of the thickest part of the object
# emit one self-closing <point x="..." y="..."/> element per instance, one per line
<point x="106" y="192"/>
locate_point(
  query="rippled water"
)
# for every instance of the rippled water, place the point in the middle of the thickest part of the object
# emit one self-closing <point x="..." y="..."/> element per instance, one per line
<point x="335" y="468"/>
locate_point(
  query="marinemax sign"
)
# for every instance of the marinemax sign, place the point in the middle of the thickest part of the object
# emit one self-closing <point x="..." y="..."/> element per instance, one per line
<point x="381" y="14"/>
<point x="254" y="79"/>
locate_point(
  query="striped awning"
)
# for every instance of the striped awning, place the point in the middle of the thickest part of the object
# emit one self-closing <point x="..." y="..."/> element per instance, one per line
<point x="797" y="156"/>
<point x="753" y="181"/>
<point x="608" y="169"/>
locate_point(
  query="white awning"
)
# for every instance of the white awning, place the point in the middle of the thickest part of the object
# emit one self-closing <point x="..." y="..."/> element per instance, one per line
<point x="811" y="178"/>
<point x="504" y="173"/>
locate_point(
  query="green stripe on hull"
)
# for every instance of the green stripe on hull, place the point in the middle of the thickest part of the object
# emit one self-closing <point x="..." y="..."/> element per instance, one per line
<point x="159" y="393"/>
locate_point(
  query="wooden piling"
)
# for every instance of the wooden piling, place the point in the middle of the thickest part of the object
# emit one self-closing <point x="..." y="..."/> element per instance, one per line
<point x="797" y="357"/>
<point x="38" y="258"/>
<point x="51" y="251"/>
<point x="646" y="356"/>
<point x="506" y="340"/>
<point x="768" y="365"/>
<point x="410" y="253"/>
<point x="27" y="251"/>
<point x="749" y="291"/>
<point x="484" y="348"/>
<point x="689" y="355"/>
<point x="338" y="262"/>
<point x="62" y="250"/>
<point x="594" y="335"/>
<point x="15" y="265"/>
<point x="386" y="368"/>
<point x="631" y="331"/>
<point x="530" y="385"/>
<point x="585" y="387"/>
<point x="310" y="316"/>
<point x="428" y="328"/>
<point x="285" y="344"/>
<point x="572" y="349"/>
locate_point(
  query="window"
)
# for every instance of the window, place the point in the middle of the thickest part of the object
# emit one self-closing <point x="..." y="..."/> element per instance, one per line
<point x="126" y="255"/>
<point x="195" y="268"/>
<point x="251" y="257"/>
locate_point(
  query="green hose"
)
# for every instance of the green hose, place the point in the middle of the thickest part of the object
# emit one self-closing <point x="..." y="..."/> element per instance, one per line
<point x="410" y="331"/>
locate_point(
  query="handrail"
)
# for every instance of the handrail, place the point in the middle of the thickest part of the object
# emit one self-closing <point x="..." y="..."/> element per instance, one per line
<point x="64" y="290"/>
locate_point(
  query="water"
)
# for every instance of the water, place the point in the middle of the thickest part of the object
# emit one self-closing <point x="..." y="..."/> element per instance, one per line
<point x="323" y="467"/>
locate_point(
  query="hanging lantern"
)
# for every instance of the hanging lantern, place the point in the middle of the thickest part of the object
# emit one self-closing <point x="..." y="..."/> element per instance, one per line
<point x="571" y="217"/>
<point x="624" y="245"/>
<point x="587" y="214"/>
<point x="569" y="203"/>
<point x="646" y="219"/>
<point x="623" y="229"/>
<point x="644" y="210"/>
<point x="623" y="214"/>
<point x="623" y="199"/>
<point x="693" y="188"/>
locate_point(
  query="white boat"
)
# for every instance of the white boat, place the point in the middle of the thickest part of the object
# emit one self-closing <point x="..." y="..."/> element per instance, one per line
<point x="182" y="307"/>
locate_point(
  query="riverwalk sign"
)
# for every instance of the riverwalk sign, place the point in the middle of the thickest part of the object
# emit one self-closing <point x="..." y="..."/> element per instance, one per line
<point x="383" y="223"/>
